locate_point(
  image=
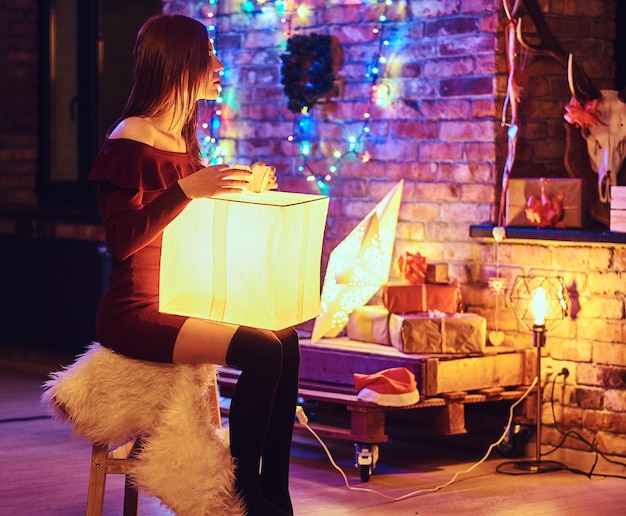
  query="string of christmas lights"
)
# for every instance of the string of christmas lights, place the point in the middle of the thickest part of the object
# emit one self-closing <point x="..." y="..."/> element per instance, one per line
<point x="304" y="124"/>
<point x="355" y="144"/>
<point x="210" y="111"/>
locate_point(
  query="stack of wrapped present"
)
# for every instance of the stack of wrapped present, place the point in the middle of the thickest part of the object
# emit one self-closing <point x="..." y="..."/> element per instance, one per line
<point x="420" y="314"/>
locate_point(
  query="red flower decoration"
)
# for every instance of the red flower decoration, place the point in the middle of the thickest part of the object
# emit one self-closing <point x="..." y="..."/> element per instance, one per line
<point x="583" y="116"/>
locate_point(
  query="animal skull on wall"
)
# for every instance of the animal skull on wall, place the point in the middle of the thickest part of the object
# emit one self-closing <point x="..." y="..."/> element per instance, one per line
<point x="602" y="123"/>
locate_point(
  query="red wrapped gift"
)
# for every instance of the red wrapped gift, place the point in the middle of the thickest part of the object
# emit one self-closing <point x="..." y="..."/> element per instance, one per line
<point x="402" y="298"/>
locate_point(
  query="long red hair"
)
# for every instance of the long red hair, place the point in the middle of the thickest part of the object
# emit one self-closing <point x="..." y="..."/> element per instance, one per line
<point x="171" y="60"/>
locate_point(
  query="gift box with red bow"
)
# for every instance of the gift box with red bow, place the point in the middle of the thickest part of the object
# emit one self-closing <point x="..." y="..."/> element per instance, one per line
<point x="544" y="203"/>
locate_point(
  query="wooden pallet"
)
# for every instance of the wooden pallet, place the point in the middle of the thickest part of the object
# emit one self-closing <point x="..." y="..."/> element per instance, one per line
<point x="333" y="361"/>
<point x="446" y="383"/>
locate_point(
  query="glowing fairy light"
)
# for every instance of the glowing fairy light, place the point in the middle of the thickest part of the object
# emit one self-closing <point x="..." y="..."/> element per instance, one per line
<point x="383" y="97"/>
<point x="303" y="11"/>
<point x="210" y="112"/>
<point x="248" y="7"/>
<point x="305" y="148"/>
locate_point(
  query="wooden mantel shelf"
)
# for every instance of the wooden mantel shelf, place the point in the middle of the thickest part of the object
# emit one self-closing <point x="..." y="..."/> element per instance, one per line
<point x="562" y="235"/>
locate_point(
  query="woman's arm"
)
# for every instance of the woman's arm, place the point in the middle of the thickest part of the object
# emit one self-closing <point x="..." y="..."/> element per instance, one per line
<point x="129" y="225"/>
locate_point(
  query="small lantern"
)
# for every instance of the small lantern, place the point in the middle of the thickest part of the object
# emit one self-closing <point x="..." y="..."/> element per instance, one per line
<point x="539" y="302"/>
<point x="251" y="259"/>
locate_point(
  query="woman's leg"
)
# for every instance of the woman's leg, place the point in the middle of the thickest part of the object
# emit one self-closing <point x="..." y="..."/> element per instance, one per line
<point x="203" y="342"/>
<point x="277" y="450"/>
<point x="256" y="410"/>
<point x="263" y="404"/>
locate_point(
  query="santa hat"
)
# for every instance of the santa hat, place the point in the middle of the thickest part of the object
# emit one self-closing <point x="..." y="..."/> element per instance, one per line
<point x="394" y="387"/>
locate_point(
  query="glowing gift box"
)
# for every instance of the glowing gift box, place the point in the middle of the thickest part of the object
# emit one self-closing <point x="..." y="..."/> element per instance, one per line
<point x="251" y="259"/>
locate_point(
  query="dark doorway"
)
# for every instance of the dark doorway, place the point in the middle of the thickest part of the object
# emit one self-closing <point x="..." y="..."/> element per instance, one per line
<point x="86" y="74"/>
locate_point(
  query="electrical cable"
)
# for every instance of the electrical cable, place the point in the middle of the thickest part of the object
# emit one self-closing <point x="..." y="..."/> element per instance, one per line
<point x="500" y="467"/>
<point x="24" y="418"/>
<point x="577" y="435"/>
<point x="303" y="420"/>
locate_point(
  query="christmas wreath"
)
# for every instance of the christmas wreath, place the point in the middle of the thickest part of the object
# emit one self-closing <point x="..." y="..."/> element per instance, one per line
<point x="307" y="70"/>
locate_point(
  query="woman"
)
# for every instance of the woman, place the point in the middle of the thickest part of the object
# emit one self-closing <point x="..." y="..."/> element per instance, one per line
<point x="147" y="172"/>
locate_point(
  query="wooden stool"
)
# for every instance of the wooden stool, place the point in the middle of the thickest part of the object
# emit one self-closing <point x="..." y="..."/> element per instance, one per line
<point x="120" y="461"/>
<point x="117" y="461"/>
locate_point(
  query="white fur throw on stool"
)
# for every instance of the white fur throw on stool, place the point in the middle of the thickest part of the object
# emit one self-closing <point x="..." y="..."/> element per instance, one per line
<point x="184" y="461"/>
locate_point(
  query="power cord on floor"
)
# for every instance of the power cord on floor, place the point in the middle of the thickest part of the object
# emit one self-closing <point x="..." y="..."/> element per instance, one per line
<point x="576" y="435"/>
<point x="303" y="420"/>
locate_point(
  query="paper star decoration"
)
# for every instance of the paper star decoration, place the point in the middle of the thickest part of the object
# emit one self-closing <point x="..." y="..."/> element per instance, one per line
<point x="359" y="266"/>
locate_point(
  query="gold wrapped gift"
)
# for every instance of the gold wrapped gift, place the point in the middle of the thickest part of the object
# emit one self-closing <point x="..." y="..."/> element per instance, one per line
<point x="438" y="333"/>
<point x="437" y="273"/>
<point x="568" y="191"/>
<point x="369" y="323"/>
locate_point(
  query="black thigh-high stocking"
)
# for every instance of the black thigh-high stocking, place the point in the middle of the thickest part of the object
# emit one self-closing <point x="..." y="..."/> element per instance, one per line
<point x="277" y="451"/>
<point x="259" y="355"/>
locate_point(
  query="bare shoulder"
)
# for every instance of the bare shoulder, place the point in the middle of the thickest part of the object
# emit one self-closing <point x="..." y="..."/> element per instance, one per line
<point x="134" y="128"/>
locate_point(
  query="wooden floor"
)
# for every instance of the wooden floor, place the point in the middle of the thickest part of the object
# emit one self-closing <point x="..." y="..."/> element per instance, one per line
<point x="43" y="472"/>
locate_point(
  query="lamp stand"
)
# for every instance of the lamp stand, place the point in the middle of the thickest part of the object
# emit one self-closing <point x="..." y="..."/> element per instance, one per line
<point x="538" y="465"/>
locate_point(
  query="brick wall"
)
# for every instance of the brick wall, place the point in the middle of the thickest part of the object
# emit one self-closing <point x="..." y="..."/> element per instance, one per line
<point x="441" y="133"/>
<point x="18" y="102"/>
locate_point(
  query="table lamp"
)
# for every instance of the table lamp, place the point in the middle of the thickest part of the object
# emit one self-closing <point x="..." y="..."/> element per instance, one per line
<point x="539" y="302"/>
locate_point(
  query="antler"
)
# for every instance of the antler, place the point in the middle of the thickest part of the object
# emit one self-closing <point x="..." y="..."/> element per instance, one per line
<point x="584" y="89"/>
<point x="510" y="12"/>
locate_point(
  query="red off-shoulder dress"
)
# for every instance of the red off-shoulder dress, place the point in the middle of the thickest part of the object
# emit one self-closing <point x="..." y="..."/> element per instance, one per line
<point x="138" y="195"/>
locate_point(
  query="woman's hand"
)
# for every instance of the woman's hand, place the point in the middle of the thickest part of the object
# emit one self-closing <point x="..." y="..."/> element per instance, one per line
<point x="214" y="181"/>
